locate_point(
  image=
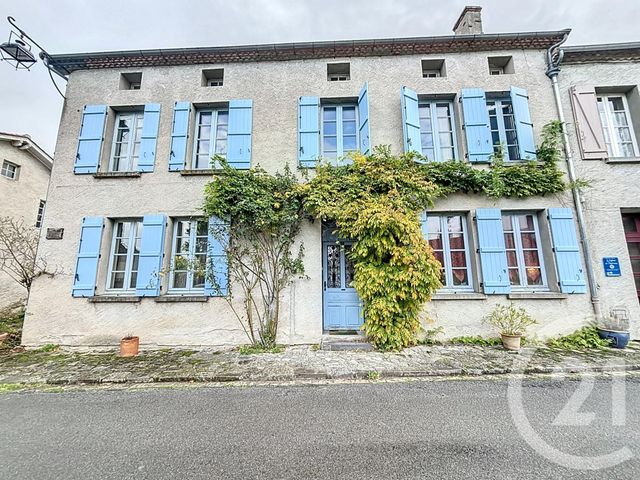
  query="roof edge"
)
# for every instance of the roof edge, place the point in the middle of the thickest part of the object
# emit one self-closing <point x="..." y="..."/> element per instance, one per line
<point x="66" y="63"/>
<point x="30" y="146"/>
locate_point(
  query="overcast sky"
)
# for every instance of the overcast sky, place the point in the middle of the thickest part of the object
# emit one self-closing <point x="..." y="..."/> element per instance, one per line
<point x="29" y="103"/>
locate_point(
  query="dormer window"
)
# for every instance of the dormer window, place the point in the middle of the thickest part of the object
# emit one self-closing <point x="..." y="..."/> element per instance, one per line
<point x="338" y="72"/>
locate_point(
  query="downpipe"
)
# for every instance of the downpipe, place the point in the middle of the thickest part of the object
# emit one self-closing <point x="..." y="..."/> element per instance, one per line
<point x="554" y="58"/>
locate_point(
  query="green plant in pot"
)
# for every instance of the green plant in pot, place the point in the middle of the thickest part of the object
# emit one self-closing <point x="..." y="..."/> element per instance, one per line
<point x="512" y="323"/>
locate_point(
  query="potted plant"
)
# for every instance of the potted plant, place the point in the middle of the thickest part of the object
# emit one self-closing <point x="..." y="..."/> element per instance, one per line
<point x="615" y="329"/>
<point x="512" y="322"/>
<point x="129" y="346"/>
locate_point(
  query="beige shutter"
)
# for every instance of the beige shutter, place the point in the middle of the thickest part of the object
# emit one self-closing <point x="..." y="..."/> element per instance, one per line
<point x="588" y="126"/>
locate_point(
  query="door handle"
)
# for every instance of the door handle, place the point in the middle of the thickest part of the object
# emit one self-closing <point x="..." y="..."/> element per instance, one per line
<point x="324" y="284"/>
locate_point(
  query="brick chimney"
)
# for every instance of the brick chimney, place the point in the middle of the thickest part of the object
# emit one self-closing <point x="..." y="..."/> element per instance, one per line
<point x="469" y="22"/>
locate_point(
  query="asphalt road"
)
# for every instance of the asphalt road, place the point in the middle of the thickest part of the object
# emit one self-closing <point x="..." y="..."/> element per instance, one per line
<point x="431" y="429"/>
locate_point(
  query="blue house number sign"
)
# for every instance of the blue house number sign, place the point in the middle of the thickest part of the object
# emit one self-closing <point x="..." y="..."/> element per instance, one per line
<point x="611" y="266"/>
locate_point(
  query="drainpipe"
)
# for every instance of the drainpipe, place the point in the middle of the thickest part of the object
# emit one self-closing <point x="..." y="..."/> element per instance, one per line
<point x="554" y="59"/>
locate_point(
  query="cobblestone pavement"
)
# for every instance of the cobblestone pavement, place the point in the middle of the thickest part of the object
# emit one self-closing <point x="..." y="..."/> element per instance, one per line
<point x="302" y="363"/>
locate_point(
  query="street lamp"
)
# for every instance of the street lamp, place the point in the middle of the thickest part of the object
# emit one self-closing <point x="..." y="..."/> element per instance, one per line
<point x="17" y="52"/>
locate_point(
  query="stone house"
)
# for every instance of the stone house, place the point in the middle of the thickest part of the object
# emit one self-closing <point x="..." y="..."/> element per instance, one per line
<point x="599" y="86"/>
<point x="138" y="130"/>
<point x="24" y="178"/>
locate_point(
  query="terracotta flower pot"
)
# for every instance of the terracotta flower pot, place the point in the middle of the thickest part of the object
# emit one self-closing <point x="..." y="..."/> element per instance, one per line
<point x="129" y="346"/>
<point x="511" y="342"/>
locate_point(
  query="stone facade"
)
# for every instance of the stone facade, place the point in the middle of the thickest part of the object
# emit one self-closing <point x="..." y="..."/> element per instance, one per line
<point x="53" y="316"/>
<point x="21" y="196"/>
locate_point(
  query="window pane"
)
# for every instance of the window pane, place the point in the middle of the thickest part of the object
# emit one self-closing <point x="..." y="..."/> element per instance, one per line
<point x="329" y="128"/>
<point x="330" y="143"/>
<point x="526" y="222"/>
<point x="349" y="143"/>
<point x="531" y="258"/>
<point x="348" y="113"/>
<point x="329" y="113"/>
<point x="427" y="141"/>
<point x="458" y="259"/>
<point x="634" y="248"/>
<point x="529" y="240"/>
<point x="333" y="266"/>
<point x="425" y="125"/>
<point x="349" y="128"/>
<point x="435" y="240"/>
<point x="460" y="277"/>
<point x="117" y="280"/>
<point x="629" y="222"/>
<point x="509" y="241"/>
<point x="205" y="118"/>
<point x="180" y="280"/>
<point x="512" y="259"/>
<point x="514" y="277"/>
<point x="534" y="276"/>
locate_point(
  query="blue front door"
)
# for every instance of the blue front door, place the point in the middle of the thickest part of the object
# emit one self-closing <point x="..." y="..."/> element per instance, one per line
<point x="342" y="307"/>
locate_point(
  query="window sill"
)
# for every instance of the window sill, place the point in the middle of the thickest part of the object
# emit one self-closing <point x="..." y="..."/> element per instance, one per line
<point x="195" y="173"/>
<point x="537" y="296"/>
<point x="117" y="175"/>
<point x="623" y="160"/>
<point x="182" y="298"/>
<point x="459" y="296"/>
<point x="114" y="299"/>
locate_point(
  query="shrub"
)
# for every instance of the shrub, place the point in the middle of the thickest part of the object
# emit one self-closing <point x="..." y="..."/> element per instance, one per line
<point x="586" y="337"/>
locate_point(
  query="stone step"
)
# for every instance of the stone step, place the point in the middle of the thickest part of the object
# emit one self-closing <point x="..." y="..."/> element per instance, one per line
<point x="345" y="343"/>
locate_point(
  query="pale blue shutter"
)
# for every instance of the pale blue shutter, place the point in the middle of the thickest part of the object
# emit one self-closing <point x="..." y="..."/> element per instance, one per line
<point x="476" y="124"/>
<point x="239" y="136"/>
<point x="84" y="281"/>
<point x="90" y="140"/>
<point x="149" y="137"/>
<point x="410" y="120"/>
<point x="566" y="251"/>
<point x="308" y="131"/>
<point x="524" y="126"/>
<point x="179" y="134"/>
<point x="493" y="254"/>
<point x="424" y="225"/>
<point x="151" y="254"/>
<point x="363" y="114"/>
<point x="217" y="278"/>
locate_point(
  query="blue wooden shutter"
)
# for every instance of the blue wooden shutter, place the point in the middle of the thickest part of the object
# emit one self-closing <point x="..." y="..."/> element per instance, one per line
<point x="424" y="225"/>
<point x="363" y="114"/>
<point x="90" y="140"/>
<point x="151" y="254"/>
<point x="308" y="131"/>
<point x="84" y="281"/>
<point x="566" y="251"/>
<point x="493" y="254"/>
<point x="239" y="136"/>
<point x="179" y="134"/>
<point x="524" y="127"/>
<point x="476" y="125"/>
<point x="410" y="120"/>
<point x="149" y="137"/>
<point x="217" y="279"/>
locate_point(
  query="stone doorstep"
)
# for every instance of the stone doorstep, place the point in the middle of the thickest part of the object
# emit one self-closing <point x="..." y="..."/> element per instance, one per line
<point x="348" y="342"/>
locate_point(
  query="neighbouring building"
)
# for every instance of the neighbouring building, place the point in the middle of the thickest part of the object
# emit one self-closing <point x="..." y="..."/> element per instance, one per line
<point x="139" y="128"/>
<point x="599" y="85"/>
<point x="24" y="178"/>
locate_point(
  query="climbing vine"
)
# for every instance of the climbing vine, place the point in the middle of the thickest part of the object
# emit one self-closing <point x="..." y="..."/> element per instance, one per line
<point x="375" y="200"/>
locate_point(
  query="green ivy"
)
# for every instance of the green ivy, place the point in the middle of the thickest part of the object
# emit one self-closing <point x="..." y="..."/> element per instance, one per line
<point x="586" y="337"/>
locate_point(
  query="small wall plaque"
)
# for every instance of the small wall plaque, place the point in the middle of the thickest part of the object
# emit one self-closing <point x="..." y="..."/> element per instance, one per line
<point x="611" y="266"/>
<point x="55" y="233"/>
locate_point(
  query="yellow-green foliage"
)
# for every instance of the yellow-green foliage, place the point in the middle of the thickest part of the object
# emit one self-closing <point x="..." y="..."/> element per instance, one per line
<point x="376" y="201"/>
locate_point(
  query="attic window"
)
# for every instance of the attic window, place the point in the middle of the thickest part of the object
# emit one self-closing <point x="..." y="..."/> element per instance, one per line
<point x="500" y="65"/>
<point x="213" y="77"/>
<point x="433" y="68"/>
<point x="130" y="81"/>
<point x="338" y="72"/>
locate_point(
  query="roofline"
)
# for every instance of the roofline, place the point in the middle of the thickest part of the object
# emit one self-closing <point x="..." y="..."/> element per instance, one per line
<point x="28" y="145"/>
<point x="67" y="63"/>
<point x="625" y="51"/>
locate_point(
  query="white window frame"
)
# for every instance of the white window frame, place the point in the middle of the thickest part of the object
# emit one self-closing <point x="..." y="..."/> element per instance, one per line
<point x="502" y="129"/>
<point x="446" y="250"/>
<point x="517" y="238"/>
<point x="193" y="236"/>
<point x="132" y="163"/>
<point x="338" y="77"/>
<point x="435" y="128"/>
<point x="136" y="224"/>
<point x="339" y="126"/>
<point x="213" y="134"/>
<point x="40" y="215"/>
<point x="431" y="73"/>
<point x="615" y="151"/>
<point x="215" y="82"/>
<point x="10" y="174"/>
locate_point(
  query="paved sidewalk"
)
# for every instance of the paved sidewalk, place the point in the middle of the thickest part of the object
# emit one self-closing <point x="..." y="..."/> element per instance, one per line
<point x="302" y="363"/>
